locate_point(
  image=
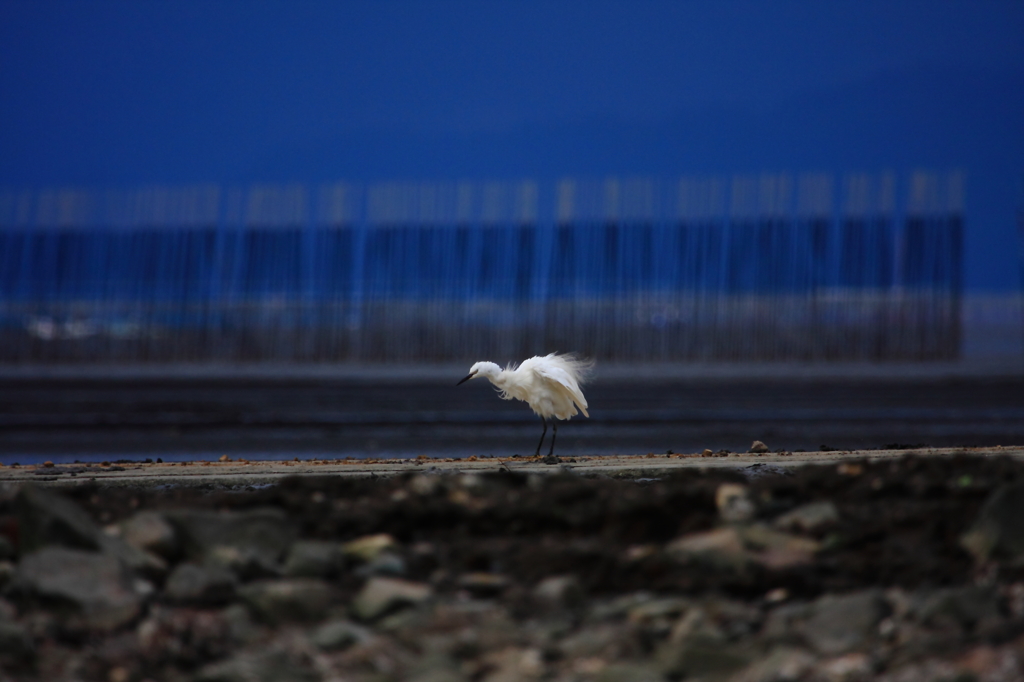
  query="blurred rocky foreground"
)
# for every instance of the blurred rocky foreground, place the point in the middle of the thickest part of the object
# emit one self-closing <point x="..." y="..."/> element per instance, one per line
<point x="905" y="568"/>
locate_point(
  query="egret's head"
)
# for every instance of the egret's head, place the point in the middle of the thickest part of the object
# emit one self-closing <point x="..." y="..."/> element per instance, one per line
<point x="483" y="369"/>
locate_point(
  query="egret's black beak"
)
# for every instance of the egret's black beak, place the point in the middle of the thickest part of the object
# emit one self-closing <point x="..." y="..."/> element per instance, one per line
<point x="471" y="375"/>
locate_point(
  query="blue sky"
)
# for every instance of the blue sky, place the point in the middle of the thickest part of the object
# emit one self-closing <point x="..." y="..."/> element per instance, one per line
<point x="128" y="93"/>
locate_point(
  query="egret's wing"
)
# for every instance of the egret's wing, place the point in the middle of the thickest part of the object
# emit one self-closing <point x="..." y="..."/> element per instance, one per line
<point x="566" y="381"/>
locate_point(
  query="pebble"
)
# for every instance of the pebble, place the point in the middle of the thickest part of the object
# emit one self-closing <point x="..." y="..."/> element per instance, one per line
<point x="96" y="587"/>
<point x="193" y="584"/>
<point x="314" y="559"/>
<point x="290" y="599"/>
<point x="336" y="635"/>
<point x="808" y="518"/>
<point x="381" y="596"/>
<point x="151" y="532"/>
<point x="559" y="591"/>
<point x="368" y="548"/>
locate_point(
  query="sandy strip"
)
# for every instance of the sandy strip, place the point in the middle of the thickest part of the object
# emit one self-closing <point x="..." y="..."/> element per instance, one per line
<point x="239" y="472"/>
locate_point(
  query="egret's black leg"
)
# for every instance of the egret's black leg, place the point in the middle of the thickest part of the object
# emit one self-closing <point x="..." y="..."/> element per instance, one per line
<point x="554" y="434"/>
<point x="542" y="434"/>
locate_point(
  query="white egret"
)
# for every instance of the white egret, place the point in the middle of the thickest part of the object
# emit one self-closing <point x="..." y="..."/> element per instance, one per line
<point x="550" y="385"/>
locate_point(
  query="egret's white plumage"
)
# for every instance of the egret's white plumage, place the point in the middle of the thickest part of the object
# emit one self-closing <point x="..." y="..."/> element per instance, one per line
<point x="550" y="385"/>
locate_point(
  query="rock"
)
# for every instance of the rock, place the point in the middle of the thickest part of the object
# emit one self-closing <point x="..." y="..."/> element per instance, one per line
<point x="758" y="447"/>
<point x="381" y="596"/>
<point x="339" y="634"/>
<point x="95" y="590"/>
<point x="186" y="635"/>
<point x="6" y="549"/>
<point x="240" y="626"/>
<point x="783" y="623"/>
<point x="151" y="532"/>
<point x="997" y="531"/>
<point x="629" y="672"/>
<point x="663" y="607"/>
<point x="273" y="665"/>
<point x="7" y="610"/>
<point x="366" y="549"/>
<point x="602" y="640"/>
<point x="139" y="561"/>
<point x="965" y="606"/>
<point x="385" y="563"/>
<point x="707" y="658"/>
<point x="695" y="623"/>
<point x="15" y="643"/>
<point x="46" y="518"/>
<point x="559" y="591"/>
<point x="734" y="505"/>
<point x="252" y="542"/>
<point x="736" y="546"/>
<point x="778" y="550"/>
<point x="277" y="601"/>
<point x="248" y="563"/>
<point x="618" y="607"/>
<point x="514" y="664"/>
<point x="782" y="664"/>
<point x="445" y="671"/>
<point x="7" y="572"/>
<point x="209" y="585"/>
<point x="989" y="663"/>
<point x="839" y="624"/>
<point x="716" y="618"/>
<point x="808" y="518"/>
<point x="480" y="584"/>
<point x="854" y="666"/>
<point x="721" y="548"/>
<point x="424" y="485"/>
<point x="314" y="559"/>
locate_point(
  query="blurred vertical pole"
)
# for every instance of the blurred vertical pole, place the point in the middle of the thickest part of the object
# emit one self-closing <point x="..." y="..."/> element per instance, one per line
<point x="355" y="320"/>
<point x="858" y="261"/>
<point x="774" y="266"/>
<point x="743" y="333"/>
<point x="540" y="268"/>
<point x="339" y="270"/>
<point x="704" y="256"/>
<point x="1020" y="256"/>
<point x="814" y="216"/>
<point x="463" y="268"/>
<point x="560" y="270"/>
<point x="638" y="219"/>
<point x="931" y="268"/>
<point x="526" y="231"/>
<point x="884" y="222"/>
<point x="953" y="282"/>
<point x="234" y="300"/>
<point x="309" y="324"/>
<point x="216" y="291"/>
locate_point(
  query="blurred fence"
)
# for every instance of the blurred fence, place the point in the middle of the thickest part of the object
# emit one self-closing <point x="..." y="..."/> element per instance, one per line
<point x="768" y="267"/>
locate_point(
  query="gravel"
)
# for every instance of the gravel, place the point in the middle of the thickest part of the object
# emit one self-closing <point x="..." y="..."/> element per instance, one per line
<point x="896" y="569"/>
